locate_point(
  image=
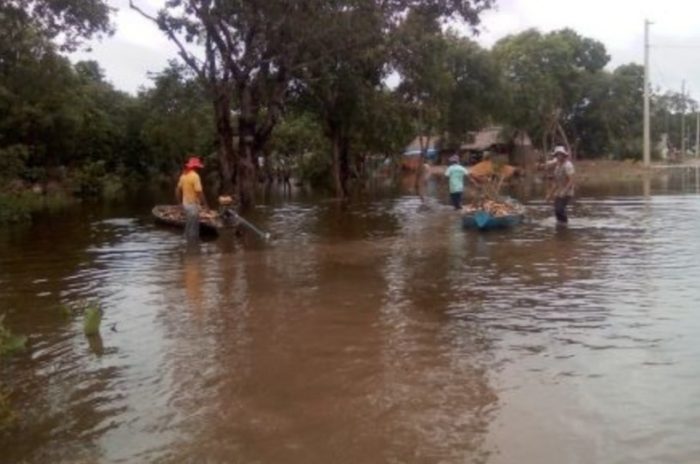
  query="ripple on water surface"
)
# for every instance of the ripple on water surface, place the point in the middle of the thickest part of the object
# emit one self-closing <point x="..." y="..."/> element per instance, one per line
<point x="379" y="332"/>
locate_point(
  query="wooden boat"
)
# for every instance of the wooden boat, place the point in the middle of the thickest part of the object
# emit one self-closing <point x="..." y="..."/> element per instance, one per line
<point x="210" y="223"/>
<point x="490" y="214"/>
<point x="483" y="220"/>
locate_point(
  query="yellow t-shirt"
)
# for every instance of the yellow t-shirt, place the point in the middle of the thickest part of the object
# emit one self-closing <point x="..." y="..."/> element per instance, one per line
<point x="191" y="187"/>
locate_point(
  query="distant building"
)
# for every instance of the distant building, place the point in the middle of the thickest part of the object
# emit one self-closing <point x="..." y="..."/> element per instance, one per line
<point x="487" y="139"/>
<point x="514" y="146"/>
<point x="411" y="154"/>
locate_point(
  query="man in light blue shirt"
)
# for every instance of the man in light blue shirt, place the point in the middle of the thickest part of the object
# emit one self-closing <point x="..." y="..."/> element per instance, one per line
<point x="456" y="172"/>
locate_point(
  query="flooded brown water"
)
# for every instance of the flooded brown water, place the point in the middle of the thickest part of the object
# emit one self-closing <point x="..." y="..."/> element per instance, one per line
<point x="379" y="332"/>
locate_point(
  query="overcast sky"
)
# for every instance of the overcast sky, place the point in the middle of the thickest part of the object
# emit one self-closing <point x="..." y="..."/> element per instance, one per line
<point x="138" y="48"/>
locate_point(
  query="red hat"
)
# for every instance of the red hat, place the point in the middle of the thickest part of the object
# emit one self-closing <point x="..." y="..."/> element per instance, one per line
<point x="194" y="163"/>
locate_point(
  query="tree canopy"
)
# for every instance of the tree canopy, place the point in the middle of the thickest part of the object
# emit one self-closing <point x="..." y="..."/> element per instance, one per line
<point x="322" y="85"/>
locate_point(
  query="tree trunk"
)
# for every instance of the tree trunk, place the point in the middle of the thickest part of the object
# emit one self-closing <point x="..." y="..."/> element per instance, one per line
<point x="226" y="150"/>
<point x="337" y="168"/>
<point x="344" y="164"/>
<point x="419" y="168"/>
<point x="245" y="168"/>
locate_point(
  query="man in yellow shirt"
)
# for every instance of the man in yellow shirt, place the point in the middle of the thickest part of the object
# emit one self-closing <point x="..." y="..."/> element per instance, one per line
<point x="189" y="192"/>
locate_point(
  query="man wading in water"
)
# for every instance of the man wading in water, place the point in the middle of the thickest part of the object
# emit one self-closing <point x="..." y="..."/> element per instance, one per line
<point x="189" y="192"/>
<point x="456" y="172"/>
<point x="563" y="188"/>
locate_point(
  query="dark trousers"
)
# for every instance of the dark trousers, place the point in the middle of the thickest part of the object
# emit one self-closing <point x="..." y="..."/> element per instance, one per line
<point x="456" y="199"/>
<point x="560" y="204"/>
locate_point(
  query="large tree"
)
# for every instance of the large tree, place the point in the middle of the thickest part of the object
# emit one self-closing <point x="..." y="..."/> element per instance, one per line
<point x="608" y="119"/>
<point x="420" y="58"/>
<point x="476" y="96"/>
<point x="338" y="85"/>
<point x="250" y="49"/>
<point x="544" y="76"/>
<point x="246" y="53"/>
<point x="66" y="22"/>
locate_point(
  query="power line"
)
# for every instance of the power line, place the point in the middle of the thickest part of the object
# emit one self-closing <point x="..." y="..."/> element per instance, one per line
<point x="675" y="46"/>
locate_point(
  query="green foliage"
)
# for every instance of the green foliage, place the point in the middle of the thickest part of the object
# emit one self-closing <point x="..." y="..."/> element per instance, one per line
<point x="609" y="121"/>
<point x="8" y="417"/>
<point x="477" y="96"/>
<point x="92" y="179"/>
<point x="9" y="342"/>
<point x="14" y="208"/>
<point x="70" y="21"/>
<point x="92" y="318"/>
<point x="420" y="58"/>
<point x="667" y="111"/>
<point x="314" y="168"/>
<point x="13" y="162"/>
<point x="305" y="83"/>
<point x="544" y="77"/>
<point x="175" y="118"/>
<point x="298" y="140"/>
<point x="53" y="113"/>
<point x="18" y="207"/>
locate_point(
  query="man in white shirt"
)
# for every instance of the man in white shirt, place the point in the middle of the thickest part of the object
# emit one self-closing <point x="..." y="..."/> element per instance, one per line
<point x="563" y="189"/>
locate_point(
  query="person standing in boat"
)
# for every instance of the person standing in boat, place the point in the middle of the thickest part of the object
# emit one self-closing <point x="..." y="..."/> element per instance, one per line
<point x="563" y="189"/>
<point x="190" y="194"/>
<point x="456" y="173"/>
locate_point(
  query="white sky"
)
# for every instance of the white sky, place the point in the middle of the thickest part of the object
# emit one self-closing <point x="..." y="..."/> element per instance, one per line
<point x="138" y="47"/>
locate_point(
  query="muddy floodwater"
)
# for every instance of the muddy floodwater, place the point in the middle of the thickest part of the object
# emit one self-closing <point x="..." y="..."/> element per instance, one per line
<point x="376" y="332"/>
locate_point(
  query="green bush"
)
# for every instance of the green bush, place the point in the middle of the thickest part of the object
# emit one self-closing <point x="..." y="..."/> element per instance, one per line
<point x="93" y="180"/>
<point x="15" y="208"/>
<point x="8" y="418"/>
<point x="9" y="342"/>
<point x="316" y="169"/>
<point x="13" y="161"/>
<point x="87" y="180"/>
<point x="18" y="207"/>
<point x="92" y="318"/>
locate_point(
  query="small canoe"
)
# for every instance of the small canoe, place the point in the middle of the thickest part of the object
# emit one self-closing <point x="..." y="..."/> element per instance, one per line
<point x="483" y="220"/>
<point x="210" y="223"/>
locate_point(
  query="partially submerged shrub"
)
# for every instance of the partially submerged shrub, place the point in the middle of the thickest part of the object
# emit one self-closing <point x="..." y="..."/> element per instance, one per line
<point x="9" y="342"/>
<point x="18" y="207"/>
<point x="8" y="417"/>
<point x="92" y="318"/>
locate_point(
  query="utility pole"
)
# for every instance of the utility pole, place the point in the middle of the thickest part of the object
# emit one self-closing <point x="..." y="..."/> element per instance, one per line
<point x="697" y="132"/>
<point x="683" y="118"/>
<point x="647" y="131"/>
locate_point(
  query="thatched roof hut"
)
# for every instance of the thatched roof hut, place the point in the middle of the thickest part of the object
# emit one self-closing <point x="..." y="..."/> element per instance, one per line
<point x="488" y="138"/>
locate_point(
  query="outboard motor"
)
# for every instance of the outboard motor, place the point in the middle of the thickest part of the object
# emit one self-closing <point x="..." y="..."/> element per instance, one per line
<point x="227" y="211"/>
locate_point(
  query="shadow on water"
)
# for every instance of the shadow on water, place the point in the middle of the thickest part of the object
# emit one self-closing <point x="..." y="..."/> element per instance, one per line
<point x="369" y="331"/>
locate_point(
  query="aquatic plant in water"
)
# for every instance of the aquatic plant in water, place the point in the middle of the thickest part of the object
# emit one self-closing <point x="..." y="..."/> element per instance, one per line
<point x="8" y="417"/>
<point x="9" y="342"/>
<point x="92" y="318"/>
<point x="19" y="207"/>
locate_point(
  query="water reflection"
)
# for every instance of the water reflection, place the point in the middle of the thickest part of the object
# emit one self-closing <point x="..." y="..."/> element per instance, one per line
<point x="192" y="279"/>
